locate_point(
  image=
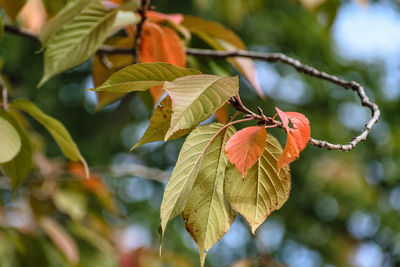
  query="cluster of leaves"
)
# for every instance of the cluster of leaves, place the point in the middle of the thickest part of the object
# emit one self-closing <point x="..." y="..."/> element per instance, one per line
<point x="220" y="171"/>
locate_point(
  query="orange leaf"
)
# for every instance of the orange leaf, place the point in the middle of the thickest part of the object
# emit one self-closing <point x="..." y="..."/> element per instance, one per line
<point x="160" y="17"/>
<point x="245" y="147"/>
<point x="297" y="137"/>
<point x="161" y="44"/>
<point x="222" y="114"/>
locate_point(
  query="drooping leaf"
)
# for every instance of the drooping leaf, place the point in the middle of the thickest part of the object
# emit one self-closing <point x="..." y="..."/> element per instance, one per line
<point x="207" y="214"/>
<point x="221" y="38"/>
<point x="140" y="77"/>
<point x="19" y="167"/>
<point x="56" y="129"/>
<point x="61" y="239"/>
<point x="10" y="141"/>
<point x="12" y="8"/>
<point x="104" y="66"/>
<point x="213" y="30"/>
<point x="194" y="98"/>
<point x="66" y="14"/>
<point x="188" y="165"/>
<point x="263" y="190"/>
<point x="297" y="137"/>
<point x="245" y="147"/>
<point x="77" y="40"/>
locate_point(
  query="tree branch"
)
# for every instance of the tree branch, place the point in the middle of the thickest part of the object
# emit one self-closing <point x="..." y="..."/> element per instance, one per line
<point x="139" y="28"/>
<point x="269" y="57"/>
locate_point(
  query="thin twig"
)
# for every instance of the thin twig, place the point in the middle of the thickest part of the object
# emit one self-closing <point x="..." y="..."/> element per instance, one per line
<point x="310" y="71"/>
<point x="269" y="57"/>
<point x="144" y="5"/>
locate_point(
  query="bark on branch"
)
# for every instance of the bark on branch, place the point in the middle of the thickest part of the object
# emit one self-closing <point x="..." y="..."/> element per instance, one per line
<point x="268" y="57"/>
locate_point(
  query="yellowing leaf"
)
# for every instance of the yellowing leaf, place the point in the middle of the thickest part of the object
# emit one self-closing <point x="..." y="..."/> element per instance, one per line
<point x="159" y="124"/>
<point x="221" y="38"/>
<point x="78" y="39"/>
<point x="56" y="129"/>
<point x="10" y="141"/>
<point x="297" y="137"/>
<point x="190" y="162"/>
<point x="12" y="7"/>
<point x="245" y="147"/>
<point x="140" y="77"/>
<point x="263" y="190"/>
<point x="194" y="98"/>
<point x="19" y="167"/>
<point x="207" y="214"/>
<point x="213" y="29"/>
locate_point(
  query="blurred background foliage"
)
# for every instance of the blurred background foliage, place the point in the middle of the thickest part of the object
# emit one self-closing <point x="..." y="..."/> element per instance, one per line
<point x="344" y="208"/>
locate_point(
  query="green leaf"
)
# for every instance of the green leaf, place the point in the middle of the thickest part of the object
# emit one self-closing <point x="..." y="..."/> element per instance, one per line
<point x="19" y="167"/>
<point x="78" y="39"/>
<point x="65" y="15"/>
<point x="159" y="124"/>
<point x="207" y="214"/>
<point x="140" y="77"/>
<point x="54" y="6"/>
<point x="187" y="168"/>
<point x="12" y="7"/>
<point x="194" y="98"/>
<point x="10" y="141"/>
<point x="56" y="129"/>
<point x="264" y="189"/>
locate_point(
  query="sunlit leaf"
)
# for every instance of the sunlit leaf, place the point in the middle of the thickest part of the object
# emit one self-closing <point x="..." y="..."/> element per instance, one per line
<point x="190" y="162"/>
<point x="245" y="147"/>
<point x="61" y="239"/>
<point x="194" y="98"/>
<point x="297" y="137"/>
<point x="19" y="167"/>
<point x="140" y="77"/>
<point x="65" y="15"/>
<point x="78" y="39"/>
<point x="263" y="190"/>
<point x="12" y="7"/>
<point x="207" y="214"/>
<point x="10" y="141"/>
<point x="55" y="128"/>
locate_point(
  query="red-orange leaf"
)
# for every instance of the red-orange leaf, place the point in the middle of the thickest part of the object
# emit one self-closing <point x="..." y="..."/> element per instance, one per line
<point x="160" y="17"/>
<point x="245" y="147"/>
<point x="297" y="137"/>
<point x="161" y="44"/>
